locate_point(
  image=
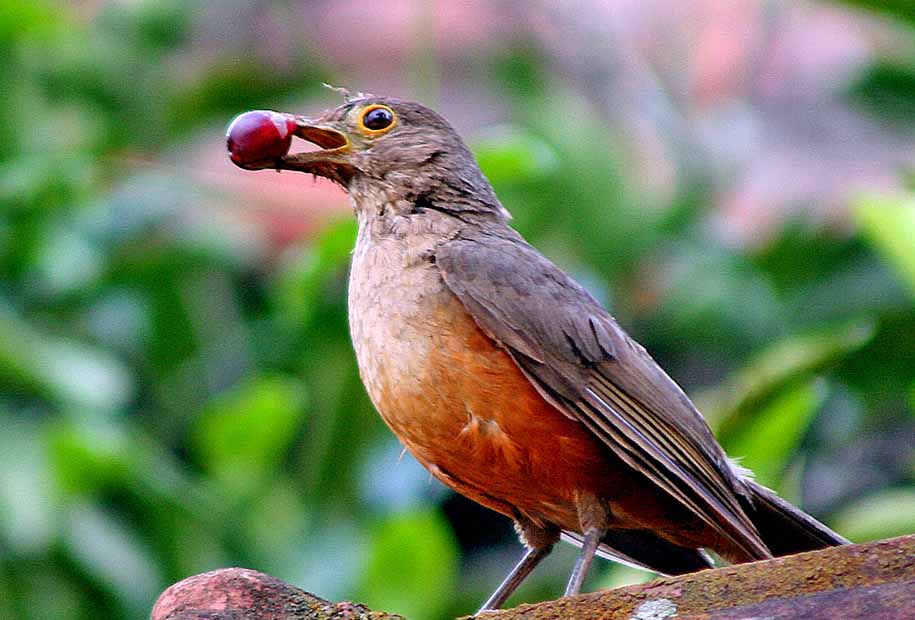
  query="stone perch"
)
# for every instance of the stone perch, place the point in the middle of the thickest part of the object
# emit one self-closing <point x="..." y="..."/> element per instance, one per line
<point x="872" y="581"/>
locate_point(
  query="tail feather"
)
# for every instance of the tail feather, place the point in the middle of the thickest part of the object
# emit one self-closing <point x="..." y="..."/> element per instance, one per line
<point x="784" y="528"/>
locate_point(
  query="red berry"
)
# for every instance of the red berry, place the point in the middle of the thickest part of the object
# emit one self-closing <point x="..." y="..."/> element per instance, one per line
<point x="259" y="136"/>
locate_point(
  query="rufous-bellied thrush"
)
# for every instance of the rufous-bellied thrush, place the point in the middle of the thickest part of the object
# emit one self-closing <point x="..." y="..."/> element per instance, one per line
<point x="505" y="378"/>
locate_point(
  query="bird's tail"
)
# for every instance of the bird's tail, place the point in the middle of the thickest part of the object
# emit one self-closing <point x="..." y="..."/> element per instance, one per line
<point x="784" y="528"/>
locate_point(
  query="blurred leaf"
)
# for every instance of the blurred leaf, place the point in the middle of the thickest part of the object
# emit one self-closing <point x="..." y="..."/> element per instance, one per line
<point x="887" y="90"/>
<point x="67" y="262"/>
<point x="901" y="9"/>
<point x="237" y="82"/>
<point x="92" y="458"/>
<point x="882" y="515"/>
<point x="19" y="19"/>
<point x="412" y="566"/>
<point x="621" y="575"/>
<point x="711" y="294"/>
<point x="110" y="551"/>
<point x="243" y="434"/>
<point x="68" y="372"/>
<point x="804" y="254"/>
<point x="159" y="477"/>
<point x="889" y="224"/>
<point x="44" y="182"/>
<point x="87" y="459"/>
<point x="27" y="508"/>
<point x="766" y="443"/>
<point x="156" y="23"/>
<point x="774" y="369"/>
<point x="301" y="286"/>
<point x="277" y="516"/>
<point x="49" y="591"/>
<point x="186" y="546"/>
<point x="344" y="422"/>
<point x="520" y="70"/>
<point x="509" y="154"/>
<point x="8" y="599"/>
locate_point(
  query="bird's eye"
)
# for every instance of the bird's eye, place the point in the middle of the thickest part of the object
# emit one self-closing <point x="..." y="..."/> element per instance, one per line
<point x="377" y="118"/>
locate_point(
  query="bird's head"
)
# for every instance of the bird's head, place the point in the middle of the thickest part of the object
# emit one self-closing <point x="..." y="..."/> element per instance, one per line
<point x="371" y="144"/>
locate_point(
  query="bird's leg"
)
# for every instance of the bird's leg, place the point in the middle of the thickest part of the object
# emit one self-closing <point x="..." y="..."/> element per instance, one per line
<point x="583" y="563"/>
<point x="529" y="561"/>
<point x="539" y="541"/>
<point x="594" y="517"/>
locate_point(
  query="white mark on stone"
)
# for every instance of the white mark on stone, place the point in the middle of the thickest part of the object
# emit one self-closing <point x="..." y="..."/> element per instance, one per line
<point x="658" y="609"/>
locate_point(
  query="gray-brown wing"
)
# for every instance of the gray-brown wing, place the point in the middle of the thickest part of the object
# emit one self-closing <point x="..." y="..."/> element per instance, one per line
<point x="584" y="363"/>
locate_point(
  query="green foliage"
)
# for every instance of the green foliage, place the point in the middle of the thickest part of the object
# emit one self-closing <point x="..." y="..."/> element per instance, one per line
<point x="767" y="442"/>
<point x="510" y="155"/>
<point x="902" y="9"/>
<point x="177" y="388"/>
<point x="889" y="224"/>
<point x="885" y="91"/>
<point x="399" y="555"/>
<point x="302" y="287"/>
<point x="886" y="513"/>
<point x="778" y="368"/>
<point x="240" y="438"/>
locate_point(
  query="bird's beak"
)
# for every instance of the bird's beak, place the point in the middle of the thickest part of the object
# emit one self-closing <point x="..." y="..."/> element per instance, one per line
<point x="332" y="161"/>
<point x="327" y="137"/>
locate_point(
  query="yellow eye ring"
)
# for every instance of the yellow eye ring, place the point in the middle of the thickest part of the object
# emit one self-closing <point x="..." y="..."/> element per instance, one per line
<point x="377" y="119"/>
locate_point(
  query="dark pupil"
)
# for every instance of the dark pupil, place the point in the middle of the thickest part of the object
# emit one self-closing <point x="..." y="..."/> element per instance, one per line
<point x="379" y="118"/>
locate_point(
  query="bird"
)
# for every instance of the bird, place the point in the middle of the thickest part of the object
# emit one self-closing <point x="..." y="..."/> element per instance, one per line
<point x="504" y="377"/>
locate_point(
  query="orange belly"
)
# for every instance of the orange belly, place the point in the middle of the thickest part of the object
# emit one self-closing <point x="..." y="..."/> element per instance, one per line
<point x="469" y="415"/>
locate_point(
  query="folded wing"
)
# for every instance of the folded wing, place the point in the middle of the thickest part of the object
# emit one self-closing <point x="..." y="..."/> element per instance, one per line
<point x="577" y="356"/>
